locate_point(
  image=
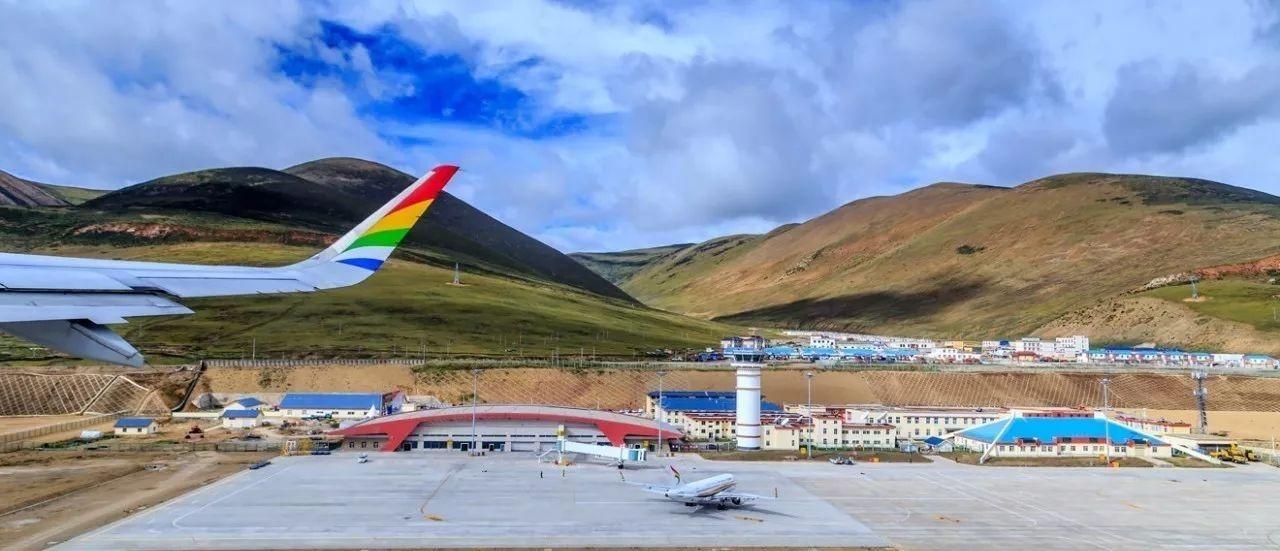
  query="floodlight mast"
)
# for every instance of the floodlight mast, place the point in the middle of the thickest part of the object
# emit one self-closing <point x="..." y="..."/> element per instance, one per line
<point x="1106" y="422"/>
<point x="1201" y="394"/>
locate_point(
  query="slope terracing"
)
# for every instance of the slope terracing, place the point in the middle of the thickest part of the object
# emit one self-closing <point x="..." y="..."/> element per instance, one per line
<point x="23" y="393"/>
<point x="625" y="388"/>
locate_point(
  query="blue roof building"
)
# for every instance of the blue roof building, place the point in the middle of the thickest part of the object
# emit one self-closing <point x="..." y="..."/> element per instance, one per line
<point x="135" y="426"/>
<point x="334" y="404"/>
<point x="241" y="413"/>
<point x="134" y="422"/>
<point x="1048" y="435"/>
<point x="729" y="403"/>
<point x="694" y="394"/>
<point x="250" y="402"/>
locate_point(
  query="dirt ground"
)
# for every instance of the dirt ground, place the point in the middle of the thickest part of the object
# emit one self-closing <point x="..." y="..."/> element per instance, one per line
<point x="51" y="496"/>
<point x="1260" y="426"/>
<point x="15" y="424"/>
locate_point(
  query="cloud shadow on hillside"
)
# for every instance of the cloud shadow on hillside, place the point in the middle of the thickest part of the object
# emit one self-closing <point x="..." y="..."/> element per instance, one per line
<point x="861" y="309"/>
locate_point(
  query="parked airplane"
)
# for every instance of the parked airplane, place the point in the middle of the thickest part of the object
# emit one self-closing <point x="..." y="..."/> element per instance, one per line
<point x="63" y="303"/>
<point x="715" y="490"/>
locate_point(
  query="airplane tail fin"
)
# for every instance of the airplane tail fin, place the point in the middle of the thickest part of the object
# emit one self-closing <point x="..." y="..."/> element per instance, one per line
<point x="675" y="472"/>
<point x="359" y="253"/>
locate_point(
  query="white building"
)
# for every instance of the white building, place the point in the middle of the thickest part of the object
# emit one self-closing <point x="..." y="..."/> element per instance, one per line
<point x="822" y="341"/>
<point x="339" y="405"/>
<point x="241" y="418"/>
<point x="921" y="422"/>
<point x="952" y="356"/>
<point x="136" y="426"/>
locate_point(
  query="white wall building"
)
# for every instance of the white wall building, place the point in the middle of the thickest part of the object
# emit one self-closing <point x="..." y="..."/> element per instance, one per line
<point x="822" y="341"/>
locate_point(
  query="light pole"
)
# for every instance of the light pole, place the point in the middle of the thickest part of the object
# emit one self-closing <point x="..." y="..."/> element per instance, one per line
<point x="808" y="383"/>
<point x="475" y="389"/>
<point x="657" y="413"/>
<point x="1106" y="422"/>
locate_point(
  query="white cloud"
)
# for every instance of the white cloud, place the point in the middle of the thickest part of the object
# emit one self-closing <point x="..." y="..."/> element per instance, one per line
<point x="703" y="118"/>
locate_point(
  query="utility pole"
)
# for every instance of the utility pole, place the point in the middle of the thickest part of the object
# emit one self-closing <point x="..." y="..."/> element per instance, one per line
<point x="253" y="349"/>
<point x="1201" y="394"/>
<point x="657" y="413"/>
<point x="808" y="379"/>
<point x="475" y="389"/>
<point x="1106" y="421"/>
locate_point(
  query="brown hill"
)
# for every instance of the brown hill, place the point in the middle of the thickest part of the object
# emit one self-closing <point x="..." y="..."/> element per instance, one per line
<point x="17" y="192"/>
<point x="968" y="261"/>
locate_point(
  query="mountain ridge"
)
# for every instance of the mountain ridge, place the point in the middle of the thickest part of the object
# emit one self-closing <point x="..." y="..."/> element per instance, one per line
<point x="334" y="194"/>
<point x="969" y="260"/>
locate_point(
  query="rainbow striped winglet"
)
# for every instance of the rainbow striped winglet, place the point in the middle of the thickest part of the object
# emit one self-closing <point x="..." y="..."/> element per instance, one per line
<point x="369" y="244"/>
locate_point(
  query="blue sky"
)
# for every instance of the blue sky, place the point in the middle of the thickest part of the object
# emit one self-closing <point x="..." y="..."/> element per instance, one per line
<point x="602" y="126"/>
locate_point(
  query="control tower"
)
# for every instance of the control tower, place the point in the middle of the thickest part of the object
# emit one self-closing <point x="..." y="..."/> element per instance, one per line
<point x="749" y="362"/>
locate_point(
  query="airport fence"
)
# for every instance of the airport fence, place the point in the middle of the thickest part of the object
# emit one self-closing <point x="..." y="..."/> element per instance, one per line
<point x="151" y="447"/>
<point x="37" y="432"/>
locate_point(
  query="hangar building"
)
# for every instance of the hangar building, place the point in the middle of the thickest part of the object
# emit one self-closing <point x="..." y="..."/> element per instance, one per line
<point x="524" y="428"/>
<point x="1028" y="434"/>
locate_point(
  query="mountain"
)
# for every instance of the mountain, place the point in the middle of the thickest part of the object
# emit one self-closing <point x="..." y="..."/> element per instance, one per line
<point x="1051" y="256"/>
<point x="334" y="194"/>
<point x="16" y="192"/>
<point x="618" y="267"/>
<point x="517" y="297"/>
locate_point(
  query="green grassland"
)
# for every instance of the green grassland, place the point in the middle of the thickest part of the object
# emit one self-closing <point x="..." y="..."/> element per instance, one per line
<point x="401" y="309"/>
<point x="73" y="195"/>
<point x="1255" y="303"/>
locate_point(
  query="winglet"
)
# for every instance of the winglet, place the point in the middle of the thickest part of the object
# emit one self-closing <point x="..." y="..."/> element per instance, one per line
<point x="371" y="242"/>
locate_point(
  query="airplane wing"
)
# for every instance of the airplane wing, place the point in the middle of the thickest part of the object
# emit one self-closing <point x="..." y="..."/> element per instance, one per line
<point x="63" y="303"/>
<point x="738" y="497"/>
<point x="652" y="488"/>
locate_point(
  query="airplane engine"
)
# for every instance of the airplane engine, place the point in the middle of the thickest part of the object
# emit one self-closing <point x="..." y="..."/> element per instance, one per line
<point x="736" y="501"/>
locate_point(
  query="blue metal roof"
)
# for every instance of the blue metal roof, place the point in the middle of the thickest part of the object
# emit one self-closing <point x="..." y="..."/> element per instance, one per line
<point x="134" y="422"/>
<point x="694" y="394"/>
<point x="331" y="400"/>
<point x="1049" y="429"/>
<point x="241" y="413"/>
<point x="250" y="402"/>
<point x="709" y="404"/>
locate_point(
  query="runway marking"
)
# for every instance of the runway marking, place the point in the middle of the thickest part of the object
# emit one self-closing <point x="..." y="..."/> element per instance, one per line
<point x="220" y="499"/>
<point x="1047" y="511"/>
<point x="1033" y="521"/>
<point x="151" y="511"/>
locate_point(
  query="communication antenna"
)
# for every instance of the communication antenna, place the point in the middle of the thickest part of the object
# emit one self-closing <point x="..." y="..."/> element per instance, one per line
<point x="457" y="276"/>
<point x="1200" y="394"/>
<point x="1194" y="293"/>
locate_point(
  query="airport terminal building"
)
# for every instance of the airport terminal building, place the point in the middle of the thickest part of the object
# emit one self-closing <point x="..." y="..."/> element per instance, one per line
<point x="519" y="428"/>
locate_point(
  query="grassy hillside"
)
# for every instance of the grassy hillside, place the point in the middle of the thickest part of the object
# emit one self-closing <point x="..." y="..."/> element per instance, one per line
<point x="72" y="195"/>
<point x="331" y="195"/>
<point x="405" y="306"/>
<point x="1253" y="303"/>
<point x="968" y="261"/>
<point x="618" y="267"/>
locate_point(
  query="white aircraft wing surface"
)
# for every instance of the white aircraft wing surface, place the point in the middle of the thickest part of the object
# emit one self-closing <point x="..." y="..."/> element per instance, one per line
<point x="63" y="303"/>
